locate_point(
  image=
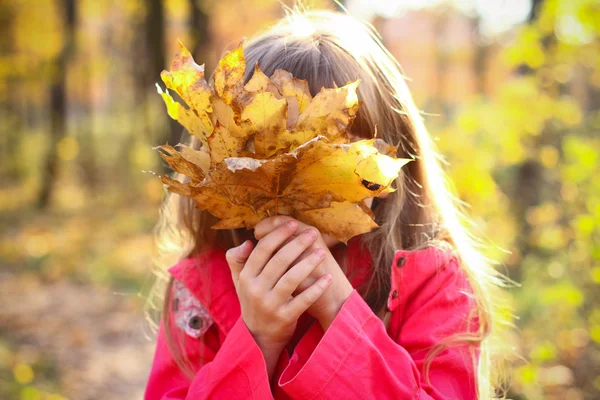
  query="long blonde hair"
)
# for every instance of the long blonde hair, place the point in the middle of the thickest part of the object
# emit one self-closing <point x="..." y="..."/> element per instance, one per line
<point x="327" y="48"/>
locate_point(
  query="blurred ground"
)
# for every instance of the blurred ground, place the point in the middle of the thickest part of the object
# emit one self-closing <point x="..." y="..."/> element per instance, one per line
<point x="72" y="289"/>
<point x="91" y="339"/>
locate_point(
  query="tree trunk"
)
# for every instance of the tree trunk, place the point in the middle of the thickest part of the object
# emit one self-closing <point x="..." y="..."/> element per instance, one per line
<point x="10" y="111"/>
<point x="481" y="56"/>
<point x="87" y="159"/>
<point x="529" y="176"/>
<point x="200" y="33"/>
<point x="58" y="105"/>
<point x="155" y="46"/>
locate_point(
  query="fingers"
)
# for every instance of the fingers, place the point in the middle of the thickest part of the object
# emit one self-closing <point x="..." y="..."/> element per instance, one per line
<point x="286" y="255"/>
<point x="267" y="246"/>
<point x="267" y="225"/>
<point x="290" y="281"/>
<point x="308" y="297"/>
<point x="237" y="256"/>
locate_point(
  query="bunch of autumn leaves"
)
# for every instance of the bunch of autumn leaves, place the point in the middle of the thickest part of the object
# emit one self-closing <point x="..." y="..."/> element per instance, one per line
<point x="269" y="147"/>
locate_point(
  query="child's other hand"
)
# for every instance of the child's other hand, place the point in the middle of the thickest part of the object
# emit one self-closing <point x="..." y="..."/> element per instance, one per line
<point x="265" y="282"/>
<point x="328" y="305"/>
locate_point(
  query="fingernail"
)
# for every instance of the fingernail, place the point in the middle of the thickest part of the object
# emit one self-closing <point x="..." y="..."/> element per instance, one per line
<point x="281" y="220"/>
<point x="327" y="278"/>
<point x="311" y="233"/>
<point x="292" y="224"/>
<point x="320" y="253"/>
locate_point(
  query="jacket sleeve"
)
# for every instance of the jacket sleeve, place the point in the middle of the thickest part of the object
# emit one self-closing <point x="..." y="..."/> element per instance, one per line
<point x="235" y="369"/>
<point x="356" y="358"/>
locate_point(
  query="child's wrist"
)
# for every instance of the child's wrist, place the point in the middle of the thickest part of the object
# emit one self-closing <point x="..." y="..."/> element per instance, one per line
<point x="271" y="352"/>
<point x="334" y="306"/>
<point x="268" y="346"/>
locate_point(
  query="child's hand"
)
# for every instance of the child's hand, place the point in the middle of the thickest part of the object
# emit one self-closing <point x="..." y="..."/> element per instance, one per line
<point x="265" y="285"/>
<point x="329" y="304"/>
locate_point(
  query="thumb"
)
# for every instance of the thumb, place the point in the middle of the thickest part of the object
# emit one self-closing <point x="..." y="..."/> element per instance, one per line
<point x="236" y="257"/>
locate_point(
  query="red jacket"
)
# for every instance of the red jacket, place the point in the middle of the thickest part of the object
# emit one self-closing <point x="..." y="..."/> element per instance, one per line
<point x="356" y="358"/>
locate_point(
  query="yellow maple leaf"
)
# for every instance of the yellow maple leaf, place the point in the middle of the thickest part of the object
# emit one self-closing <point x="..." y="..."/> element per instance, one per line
<point x="269" y="147"/>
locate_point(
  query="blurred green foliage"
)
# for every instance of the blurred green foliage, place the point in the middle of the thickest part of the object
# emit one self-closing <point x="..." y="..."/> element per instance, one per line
<point x="527" y="160"/>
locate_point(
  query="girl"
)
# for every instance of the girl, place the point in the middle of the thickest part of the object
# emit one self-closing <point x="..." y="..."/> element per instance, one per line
<point x="284" y="312"/>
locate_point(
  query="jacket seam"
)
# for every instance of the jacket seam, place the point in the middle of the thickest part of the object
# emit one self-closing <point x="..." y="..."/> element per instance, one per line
<point x="214" y="301"/>
<point x="238" y="365"/>
<point x="342" y="361"/>
<point x="247" y="377"/>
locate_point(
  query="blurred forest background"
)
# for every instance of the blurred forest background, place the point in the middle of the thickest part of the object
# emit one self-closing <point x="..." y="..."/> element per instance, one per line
<point x="510" y="91"/>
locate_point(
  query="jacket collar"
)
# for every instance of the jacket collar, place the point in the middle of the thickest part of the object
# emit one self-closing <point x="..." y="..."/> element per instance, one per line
<point x="208" y="277"/>
<point x="411" y="267"/>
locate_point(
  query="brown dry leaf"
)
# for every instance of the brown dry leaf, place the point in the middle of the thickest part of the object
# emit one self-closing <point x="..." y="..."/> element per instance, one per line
<point x="259" y="82"/>
<point x="223" y="113"/>
<point x="346" y="217"/>
<point x="188" y="162"/>
<point x="329" y="114"/>
<point x="265" y="118"/>
<point x="200" y="158"/>
<point x="269" y="115"/>
<point x="295" y="91"/>
<point x="232" y="215"/>
<point x="196" y="126"/>
<point x="305" y="183"/>
<point x="229" y="76"/>
<point x="289" y="86"/>
<point x="340" y="172"/>
<point x="223" y="144"/>
<point x="186" y="78"/>
<point x="269" y="147"/>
